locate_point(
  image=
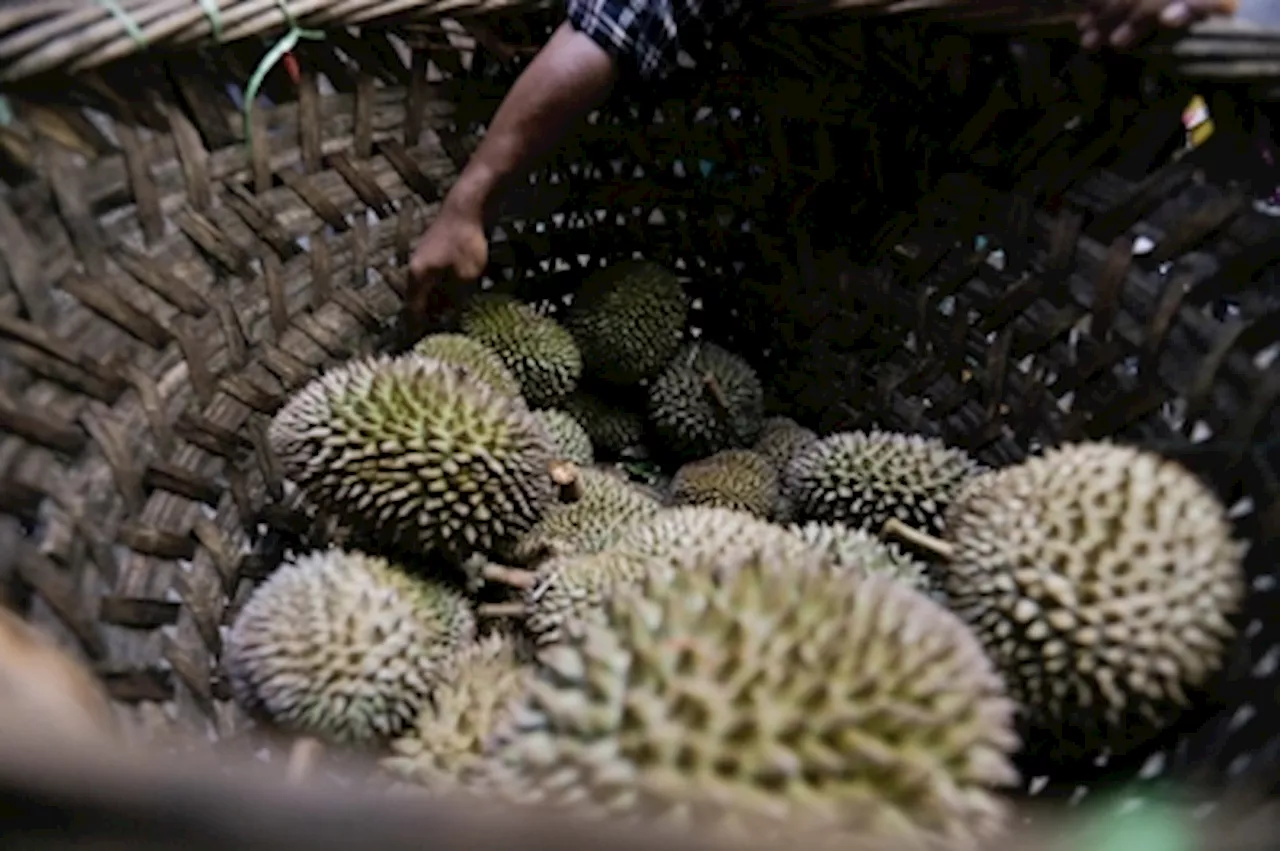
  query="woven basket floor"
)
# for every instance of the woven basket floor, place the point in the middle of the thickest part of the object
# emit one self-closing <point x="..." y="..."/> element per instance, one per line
<point x="897" y="225"/>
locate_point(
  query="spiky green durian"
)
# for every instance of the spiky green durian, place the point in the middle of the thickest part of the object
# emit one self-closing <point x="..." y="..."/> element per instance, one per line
<point x="415" y="452"/>
<point x="612" y="429"/>
<point x="858" y="550"/>
<point x="733" y="478"/>
<point x="344" y="647"/>
<point x="474" y="355"/>
<point x="444" y="746"/>
<point x="781" y="438"/>
<point x="686" y="531"/>
<point x="864" y="478"/>
<point x="568" y="591"/>
<point x="540" y="353"/>
<point x="1102" y="580"/>
<point x="590" y="524"/>
<point x="770" y="692"/>
<point x="707" y="399"/>
<point x="571" y="441"/>
<point x="628" y="320"/>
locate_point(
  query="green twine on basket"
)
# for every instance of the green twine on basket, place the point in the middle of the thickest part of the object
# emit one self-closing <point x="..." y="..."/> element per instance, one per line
<point x="135" y="32"/>
<point x="130" y="25"/>
<point x="214" y="14"/>
<point x="286" y="43"/>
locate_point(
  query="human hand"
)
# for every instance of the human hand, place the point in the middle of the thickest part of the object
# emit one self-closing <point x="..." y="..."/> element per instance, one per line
<point x="447" y="262"/>
<point x="1122" y="23"/>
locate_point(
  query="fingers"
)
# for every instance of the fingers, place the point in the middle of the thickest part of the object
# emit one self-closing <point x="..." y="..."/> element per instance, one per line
<point x="1121" y="23"/>
<point x="1142" y="20"/>
<point x="424" y="278"/>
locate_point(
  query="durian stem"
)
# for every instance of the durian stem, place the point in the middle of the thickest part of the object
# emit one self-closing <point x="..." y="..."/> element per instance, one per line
<point x="716" y="392"/>
<point x="507" y="576"/>
<point x="565" y="475"/>
<point x="303" y="757"/>
<point x="501" y="610"/>
<point x="895" y="528"/>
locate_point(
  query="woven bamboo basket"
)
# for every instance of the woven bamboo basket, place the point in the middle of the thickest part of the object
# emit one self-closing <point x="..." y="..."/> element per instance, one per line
<point x="937" y="217"/>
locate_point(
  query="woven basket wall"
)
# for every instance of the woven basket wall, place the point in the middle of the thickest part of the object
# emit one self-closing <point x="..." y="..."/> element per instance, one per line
<point x="901" y="220"/>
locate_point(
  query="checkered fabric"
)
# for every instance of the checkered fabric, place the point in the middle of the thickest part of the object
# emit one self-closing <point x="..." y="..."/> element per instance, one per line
<point x="645" y="37"/>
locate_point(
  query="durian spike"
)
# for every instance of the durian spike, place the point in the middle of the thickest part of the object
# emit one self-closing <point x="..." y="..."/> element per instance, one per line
<point x="716" y="392"/>
<point x="303" y="757"/>
<point x="501" y="610"/>
<point x="508" y="576"/>
<point x="565" y="475"/>
<point x="895" y="528"/>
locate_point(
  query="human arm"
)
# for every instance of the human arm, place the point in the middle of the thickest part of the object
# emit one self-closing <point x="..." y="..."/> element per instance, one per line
<point x="602" y="42"/>
<point x="1122" y="23"/>
<point x="569" y="77"/>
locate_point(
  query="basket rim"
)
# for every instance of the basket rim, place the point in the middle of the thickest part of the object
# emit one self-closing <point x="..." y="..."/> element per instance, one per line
<point x="86" y="35"/>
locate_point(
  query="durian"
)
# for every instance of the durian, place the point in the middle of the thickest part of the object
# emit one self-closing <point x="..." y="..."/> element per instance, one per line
<point x="732" y="478"/>
<point x="858" y="550"/>
<point x="537" y="350"/>
<point x="628" y="320"/>
<point x="864" y="478"/>
<point x="470" y="353"/>
<point x="443" y="748"/>
<point x="1102" y="580"/>
<point x="570" y="439"/>
<point x="567" y="592"/>
<point x="771" y="691"/>
<point x="613" y="430"/>
<point x="707" y="399"/>
<point x="591" y="523"/>
<point x="684" y="532"/>
<point x="343" y="646"/>
<point x="781" y="438"/>
<point x="417" y="453"/>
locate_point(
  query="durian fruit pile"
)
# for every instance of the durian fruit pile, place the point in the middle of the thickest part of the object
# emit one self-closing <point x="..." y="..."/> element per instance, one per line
<point x="580" y="568"/>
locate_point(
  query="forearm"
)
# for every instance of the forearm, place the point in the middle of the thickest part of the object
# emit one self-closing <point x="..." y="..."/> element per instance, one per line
<point x="568" y="78"/>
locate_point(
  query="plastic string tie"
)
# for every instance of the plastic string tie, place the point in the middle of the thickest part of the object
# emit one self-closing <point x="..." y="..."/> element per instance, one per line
<point x="286" y="43"/>
<point x="214" y="14"/>
<point x="130" y="25"/>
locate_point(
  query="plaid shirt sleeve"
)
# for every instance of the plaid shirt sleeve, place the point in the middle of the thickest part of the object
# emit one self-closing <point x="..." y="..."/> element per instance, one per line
<point x="646" y="36"/>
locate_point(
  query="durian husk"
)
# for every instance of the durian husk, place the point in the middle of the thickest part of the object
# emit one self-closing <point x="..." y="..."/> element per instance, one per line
<point x="628" y="320"/>
<point x="613" y="429"/>
<point x="569" y="439"/>
<point x="864" y="478"/>
<point x="781" y="438"/>
<point x="590" y="524"/>
<point x="569" y="591"/>
<point x="471" y="354"/>
<point x="344" y="647"/>
<point x="680" y="533"/>
<point x="859" y="550"/>
<point x="706" y="400"/>
<point x="1103" y="580"/>
<point x="416" y="454"/>
<point x="752" y="689"/>
<point x="733" y="478"/>
<point x="444" y="748"/>
<point x="538" y="350"/>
